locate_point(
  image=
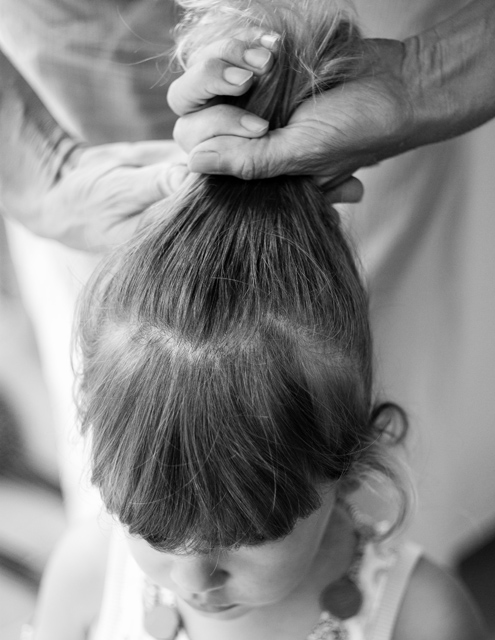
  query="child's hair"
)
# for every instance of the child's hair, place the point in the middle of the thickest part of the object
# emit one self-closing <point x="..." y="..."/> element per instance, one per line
<point x="226" y="350"/>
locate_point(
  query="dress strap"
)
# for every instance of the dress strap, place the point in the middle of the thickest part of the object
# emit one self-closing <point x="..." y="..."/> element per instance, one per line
<point x="395" y="589"/>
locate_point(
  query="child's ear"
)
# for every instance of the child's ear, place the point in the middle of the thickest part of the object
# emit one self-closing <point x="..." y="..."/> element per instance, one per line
<point x="347" y="484"/>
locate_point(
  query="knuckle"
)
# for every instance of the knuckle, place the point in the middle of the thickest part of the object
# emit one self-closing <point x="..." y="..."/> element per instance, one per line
<point x="214" y="121"/>
<point x="225" y="49"/>
<point x="178" y="95"/>
<point x="223" y="118"/>
<point x="232" y="49"/>
<point x="210" y="67"/>
<point x="172" y="97"/>
<point x="180" y="132"/>
<point x="260" y="161"/>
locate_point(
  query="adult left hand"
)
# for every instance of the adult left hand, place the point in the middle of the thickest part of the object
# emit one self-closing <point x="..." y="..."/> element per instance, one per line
<point x="211" y="131"/>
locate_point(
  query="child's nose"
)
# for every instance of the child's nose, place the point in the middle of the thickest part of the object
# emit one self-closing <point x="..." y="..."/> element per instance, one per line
<point x="197" y="575"/>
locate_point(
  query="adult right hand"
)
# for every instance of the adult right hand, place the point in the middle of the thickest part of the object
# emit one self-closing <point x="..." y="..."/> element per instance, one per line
<point x="354" y="125"/>
<point x="431" y="87"/>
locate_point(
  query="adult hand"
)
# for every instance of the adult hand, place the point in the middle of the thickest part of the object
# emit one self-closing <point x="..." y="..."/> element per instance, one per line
<point x="86" y="197"/>
<point x="431" y="87"/>
<point x="354" y="125"/>
<point x="99" y="199"/>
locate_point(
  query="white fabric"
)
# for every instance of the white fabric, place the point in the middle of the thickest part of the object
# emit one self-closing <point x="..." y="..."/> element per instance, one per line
<point x="424" y="231"/>
<point x="383" y="578"/>
<point x="394" y="590"/>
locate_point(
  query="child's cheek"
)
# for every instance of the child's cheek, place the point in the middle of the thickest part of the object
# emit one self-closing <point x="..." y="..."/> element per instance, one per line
<point x="154" y="564"/>
<point x="279" y="581"/>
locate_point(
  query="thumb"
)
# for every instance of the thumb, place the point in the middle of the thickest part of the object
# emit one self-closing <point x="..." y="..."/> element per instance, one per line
<point x="172" y="178"/>
<point x="349" y="190"/>
<point x="158" y="181"/>
<point x="245" y="158"/>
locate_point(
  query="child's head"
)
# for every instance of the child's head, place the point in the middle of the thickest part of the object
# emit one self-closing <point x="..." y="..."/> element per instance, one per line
<point x="226" y="352"/>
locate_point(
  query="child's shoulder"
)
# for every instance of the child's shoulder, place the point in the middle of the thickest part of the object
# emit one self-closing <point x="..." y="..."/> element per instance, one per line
<point x="72" y="585"/>
<point x="437" y="607"/>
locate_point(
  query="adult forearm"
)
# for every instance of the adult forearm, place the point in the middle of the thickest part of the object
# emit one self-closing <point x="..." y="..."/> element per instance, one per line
<point x="33" y="147"/>
<point x="450" y="72"/>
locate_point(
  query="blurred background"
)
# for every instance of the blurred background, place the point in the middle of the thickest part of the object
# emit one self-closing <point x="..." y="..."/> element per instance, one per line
<point x="32" y="515"/>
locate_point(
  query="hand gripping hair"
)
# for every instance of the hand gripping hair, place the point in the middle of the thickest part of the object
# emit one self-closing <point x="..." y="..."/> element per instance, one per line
<point x="226" y="352"/>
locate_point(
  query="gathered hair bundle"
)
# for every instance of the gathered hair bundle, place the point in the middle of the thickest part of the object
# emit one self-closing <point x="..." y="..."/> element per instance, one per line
<point x="320" y="47"/>
<point x="226" y="352"/>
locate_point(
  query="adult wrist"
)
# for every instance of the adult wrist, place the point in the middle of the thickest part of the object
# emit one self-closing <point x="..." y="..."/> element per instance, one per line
<point x="450" y="74"/>
<point x="36" y="150"/>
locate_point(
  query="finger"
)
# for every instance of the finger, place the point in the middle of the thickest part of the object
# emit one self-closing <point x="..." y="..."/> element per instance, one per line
<point x="264" y="158"/>
<point x="226" y="69"/>
<point x="244" y="158"/>
<point x="291" y="150"/>
<point x="241" y="51"/>
<point x="143" y="191"/>
<point x="150" y="184"/>
<point x="279" y="152"/>
<point x="205" y="81"/>
<point x="174" y="178"/>
<point x="218" y="120"/>
<point x="350" y="190"/>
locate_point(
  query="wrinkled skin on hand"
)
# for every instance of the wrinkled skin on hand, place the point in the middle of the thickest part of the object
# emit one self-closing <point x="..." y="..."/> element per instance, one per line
<point x="354" y="125"/>
<point x="98" y="201"/>
<point x="85" y="197"/>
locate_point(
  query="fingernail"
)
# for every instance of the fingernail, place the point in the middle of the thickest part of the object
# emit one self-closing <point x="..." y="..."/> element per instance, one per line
<point x="205" y="162"/>
<point x="270" y="40"/>
<point x="257" y="57"/>
<point x="253" y="123"/>
<point x="237" y="76"/>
